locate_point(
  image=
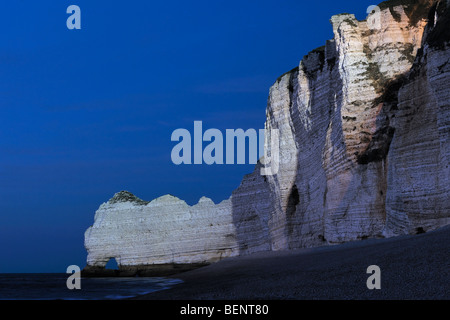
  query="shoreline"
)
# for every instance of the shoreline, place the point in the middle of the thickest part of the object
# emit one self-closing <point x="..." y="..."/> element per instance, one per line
<point x="149" y="271"/>
<point x="412" y="267"/>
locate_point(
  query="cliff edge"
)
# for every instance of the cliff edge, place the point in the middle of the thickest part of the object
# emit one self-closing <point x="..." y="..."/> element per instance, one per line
<point x="364" y="123"/>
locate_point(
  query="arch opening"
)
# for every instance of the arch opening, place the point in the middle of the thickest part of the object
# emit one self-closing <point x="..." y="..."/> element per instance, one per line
<point x="112" y="264"/>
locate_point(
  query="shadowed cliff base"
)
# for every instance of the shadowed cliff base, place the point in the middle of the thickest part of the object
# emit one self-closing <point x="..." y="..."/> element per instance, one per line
<point x="412" y="267"/>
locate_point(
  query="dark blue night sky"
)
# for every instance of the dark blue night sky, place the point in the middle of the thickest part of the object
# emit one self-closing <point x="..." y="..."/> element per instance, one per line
<point x="87" y="113"/>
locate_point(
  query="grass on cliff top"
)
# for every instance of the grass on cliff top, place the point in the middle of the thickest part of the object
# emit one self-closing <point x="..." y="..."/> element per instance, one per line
<point x="125" y="196"/>
<point x="342" y="14"/>
<point x="351" y="22"/>
<point x="290" y="71"/>
<point x="319" y="49"/>
<point x="416" y="10"/>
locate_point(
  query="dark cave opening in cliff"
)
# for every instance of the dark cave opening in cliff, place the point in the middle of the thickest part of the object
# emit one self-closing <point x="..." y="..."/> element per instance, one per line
<point x="112" y="264"/>
<point x="293" y="201"/>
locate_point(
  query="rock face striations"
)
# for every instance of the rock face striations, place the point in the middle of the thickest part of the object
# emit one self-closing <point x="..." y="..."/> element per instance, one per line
<point x="158" y="237"/>
<point x="364" y="123"/>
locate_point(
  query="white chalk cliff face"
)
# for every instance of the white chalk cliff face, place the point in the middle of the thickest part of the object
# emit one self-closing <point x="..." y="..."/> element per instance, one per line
<point x="164" y="231"/>
<point x="364" y="123"/>
<point x="418" y="177"/>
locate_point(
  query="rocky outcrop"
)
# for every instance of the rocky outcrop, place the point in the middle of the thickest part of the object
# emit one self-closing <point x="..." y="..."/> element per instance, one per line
<point x="165" y="232"/>
<point x="364" y="125"/>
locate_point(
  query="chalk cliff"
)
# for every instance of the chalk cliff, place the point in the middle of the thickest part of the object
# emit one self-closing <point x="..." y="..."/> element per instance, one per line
<point x="165" y="232"/>
<point x="364" y="123"/>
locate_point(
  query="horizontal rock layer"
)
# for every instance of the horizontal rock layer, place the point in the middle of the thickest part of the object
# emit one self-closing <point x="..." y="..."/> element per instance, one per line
<point x="165" y="231"/>
<point x="364" y="124"/>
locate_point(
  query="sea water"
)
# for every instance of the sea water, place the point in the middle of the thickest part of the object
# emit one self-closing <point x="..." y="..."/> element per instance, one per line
<point x="52" y="286"/>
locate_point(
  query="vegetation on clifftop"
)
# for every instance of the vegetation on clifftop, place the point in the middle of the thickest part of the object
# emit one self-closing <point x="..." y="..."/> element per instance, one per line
<point x="416" y="10"/>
